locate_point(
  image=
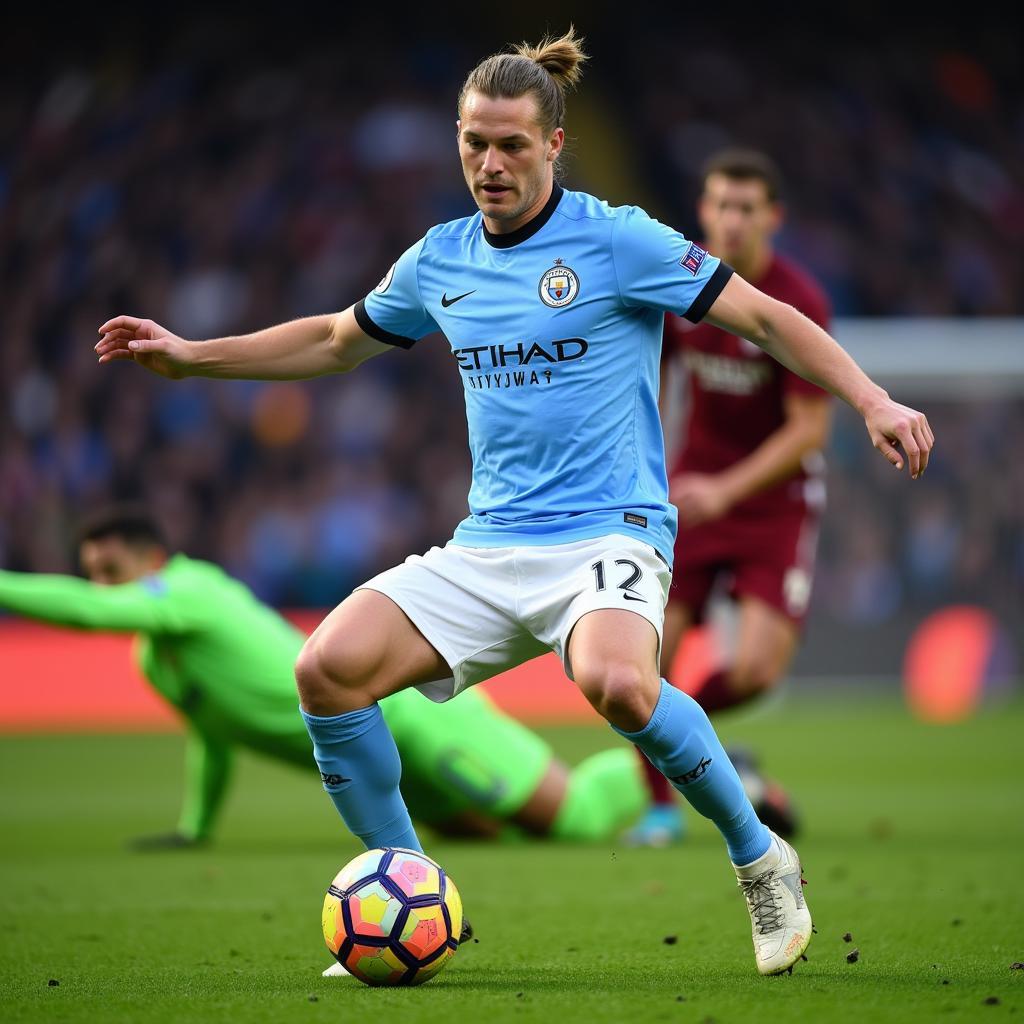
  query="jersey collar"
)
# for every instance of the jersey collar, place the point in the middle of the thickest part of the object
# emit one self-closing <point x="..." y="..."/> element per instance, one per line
<point x="530" y="228"/>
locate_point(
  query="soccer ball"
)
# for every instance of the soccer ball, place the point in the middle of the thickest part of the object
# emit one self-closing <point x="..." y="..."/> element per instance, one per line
<point x="392" y="917"/>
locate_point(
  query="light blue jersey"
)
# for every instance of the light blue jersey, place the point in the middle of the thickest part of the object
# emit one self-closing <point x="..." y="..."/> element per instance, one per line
<point x="556" y="330"/>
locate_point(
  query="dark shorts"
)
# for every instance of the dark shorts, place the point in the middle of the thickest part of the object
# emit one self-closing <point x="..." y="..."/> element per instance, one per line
<point x="768" y="557"/>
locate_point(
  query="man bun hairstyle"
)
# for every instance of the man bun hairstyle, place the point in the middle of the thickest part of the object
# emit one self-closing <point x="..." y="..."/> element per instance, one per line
<point x="746" y="165"/>
<point x="547" y="71"/>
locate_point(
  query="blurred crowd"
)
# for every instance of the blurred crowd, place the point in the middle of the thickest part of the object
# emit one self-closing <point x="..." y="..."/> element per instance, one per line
<point x="903" y="162"/>
<point x="217" y="191"/>
<point x="955" y="535"/>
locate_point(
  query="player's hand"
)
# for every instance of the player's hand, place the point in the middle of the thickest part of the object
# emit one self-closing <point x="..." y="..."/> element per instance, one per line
<point x="892" y="426"/>
<point x="168" y="841"/>
<point x="700" y="498"/>
<point x="147" y="343"/>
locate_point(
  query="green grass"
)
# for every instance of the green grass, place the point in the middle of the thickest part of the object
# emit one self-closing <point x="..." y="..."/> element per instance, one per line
<point x="914" y="843"/>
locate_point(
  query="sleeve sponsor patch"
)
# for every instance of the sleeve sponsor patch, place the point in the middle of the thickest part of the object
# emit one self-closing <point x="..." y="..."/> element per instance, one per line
<point x="155" y="585"/>
<point x="693" y="258"/>
<point x="385" y="281"/>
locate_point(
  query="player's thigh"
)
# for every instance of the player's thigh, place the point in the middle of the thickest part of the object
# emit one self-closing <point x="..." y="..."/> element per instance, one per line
<point x="773" y="570"/>
<point x="537" y="816"/>
<point x="766" y="643"/>
<point x="467" y="755"/>
<point x="678" y="619"/>
<point x="463" y="601"/>
<point x="700" y="557"/>
<point x="701" y="554"/>
<point x="614" y="658"/>
<point x="366" y="645"/>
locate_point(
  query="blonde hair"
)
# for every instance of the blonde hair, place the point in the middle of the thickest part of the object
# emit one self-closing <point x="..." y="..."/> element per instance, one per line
<point x="547" y="71"/>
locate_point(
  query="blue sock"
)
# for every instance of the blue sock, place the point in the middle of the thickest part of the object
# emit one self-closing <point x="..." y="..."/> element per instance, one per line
<point x="359" y="764"/>
<point x="681" y="743"/>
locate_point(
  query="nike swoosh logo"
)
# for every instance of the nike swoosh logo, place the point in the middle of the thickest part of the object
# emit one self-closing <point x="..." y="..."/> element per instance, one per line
<point x="633" y="597"/>
<point x="446" y="302"/>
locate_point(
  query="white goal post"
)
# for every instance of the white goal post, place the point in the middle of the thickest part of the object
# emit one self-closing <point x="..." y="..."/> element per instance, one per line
<point x="942" y="358"/>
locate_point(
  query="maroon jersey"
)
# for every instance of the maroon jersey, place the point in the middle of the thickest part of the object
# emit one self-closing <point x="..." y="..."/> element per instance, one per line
<point x="736" y="392"/>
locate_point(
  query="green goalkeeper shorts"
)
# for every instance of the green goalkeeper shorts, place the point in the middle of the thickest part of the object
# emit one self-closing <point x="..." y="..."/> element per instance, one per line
<point x="464" y="754"/>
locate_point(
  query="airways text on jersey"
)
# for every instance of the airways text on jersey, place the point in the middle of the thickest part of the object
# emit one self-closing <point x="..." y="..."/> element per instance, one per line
<point x="504" y="365"/>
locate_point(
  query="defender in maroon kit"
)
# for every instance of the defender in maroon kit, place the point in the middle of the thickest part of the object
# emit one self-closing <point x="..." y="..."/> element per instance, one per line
<point x="748" y="481"/>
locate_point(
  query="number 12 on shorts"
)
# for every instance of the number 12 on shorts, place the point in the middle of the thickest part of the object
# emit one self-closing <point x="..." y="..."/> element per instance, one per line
<point x="633" y="577"/>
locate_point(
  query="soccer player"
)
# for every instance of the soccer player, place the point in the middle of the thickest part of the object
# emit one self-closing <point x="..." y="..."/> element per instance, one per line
<point x="553" y="305"/>
<point x="748" y="481"/>
<point x="226" y="662"/>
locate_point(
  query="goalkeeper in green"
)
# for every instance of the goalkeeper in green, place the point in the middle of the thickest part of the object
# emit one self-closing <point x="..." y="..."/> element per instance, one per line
<point x="225" y="661"/>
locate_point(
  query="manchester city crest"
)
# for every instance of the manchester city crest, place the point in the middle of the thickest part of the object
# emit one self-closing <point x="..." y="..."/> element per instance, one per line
<point x="558" y="286"/>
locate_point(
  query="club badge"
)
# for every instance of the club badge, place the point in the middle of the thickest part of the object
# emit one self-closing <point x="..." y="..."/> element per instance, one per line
<point x="558" y="286"/>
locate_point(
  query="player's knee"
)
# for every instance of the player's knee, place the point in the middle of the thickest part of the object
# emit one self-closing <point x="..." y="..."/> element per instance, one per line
<point x="752" y="677"/>
<point x="321" y="680"/>
<point x="310" y="678"/>
<point x="618" y="690"/>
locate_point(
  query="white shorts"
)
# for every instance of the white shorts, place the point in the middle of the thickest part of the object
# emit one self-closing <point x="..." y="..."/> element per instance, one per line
<point x="486" y="610"/>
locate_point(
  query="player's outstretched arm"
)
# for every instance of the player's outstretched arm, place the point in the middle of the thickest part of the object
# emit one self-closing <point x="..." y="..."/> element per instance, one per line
<point x="806" y="349"/>
<point x="70" y="601"/>
<point x="310" y="347"/>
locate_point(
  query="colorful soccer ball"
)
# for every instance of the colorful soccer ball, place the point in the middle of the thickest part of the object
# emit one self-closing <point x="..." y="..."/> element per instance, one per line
<point x="392" y="917"/>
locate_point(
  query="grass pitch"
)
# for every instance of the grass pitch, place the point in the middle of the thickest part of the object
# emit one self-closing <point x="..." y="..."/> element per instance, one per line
<point x="913" y="845"/>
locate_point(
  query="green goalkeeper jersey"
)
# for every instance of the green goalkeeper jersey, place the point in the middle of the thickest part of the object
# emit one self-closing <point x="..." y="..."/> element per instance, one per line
<point x="226" y="661"/>
<point x="208" y="646"/>
<point x="205" y="643"/>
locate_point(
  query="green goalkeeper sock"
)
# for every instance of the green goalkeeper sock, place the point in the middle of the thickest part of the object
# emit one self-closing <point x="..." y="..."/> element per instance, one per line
<point x="606" y="792"/>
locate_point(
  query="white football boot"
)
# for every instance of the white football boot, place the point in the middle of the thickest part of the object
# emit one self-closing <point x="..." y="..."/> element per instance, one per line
<point x="336" y="971"/>
<point x="780" y="920"/>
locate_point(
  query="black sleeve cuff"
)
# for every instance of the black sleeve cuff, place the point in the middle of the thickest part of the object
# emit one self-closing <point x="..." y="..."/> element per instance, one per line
<point x="367" y="326"/>
<point x="711" y="290"/>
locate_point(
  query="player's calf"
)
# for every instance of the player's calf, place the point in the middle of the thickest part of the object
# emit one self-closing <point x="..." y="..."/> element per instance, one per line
<point x="680" y="741"/>
<point x="730" y="688"/>
<point x="366" y="649"/>
<point x="749" y="679"/>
